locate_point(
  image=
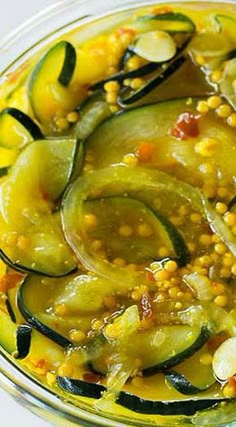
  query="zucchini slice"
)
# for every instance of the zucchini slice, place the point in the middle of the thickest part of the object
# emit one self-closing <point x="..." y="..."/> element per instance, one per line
<point x="92" y="112"/>
<point x="37" y="297"/>
<point x="182" y="384"/>
<point x="31" y="237"/>
<point x="170" y="22"/>
<point x="153" y="83"/>
<point x="49" y="86"/>
<point x="137" y="404"/>
<point x="140" y="246"/>
<point x="17" y="129"/>
<point x="232" y="204"/>
<point x="122" y="134"/>
<point x="179" y="343"/>
<point x="226" y="84"/>
<point x="7" y="332"/>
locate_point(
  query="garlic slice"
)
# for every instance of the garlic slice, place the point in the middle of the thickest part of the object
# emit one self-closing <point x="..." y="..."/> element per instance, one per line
<point x="224" y="360"/>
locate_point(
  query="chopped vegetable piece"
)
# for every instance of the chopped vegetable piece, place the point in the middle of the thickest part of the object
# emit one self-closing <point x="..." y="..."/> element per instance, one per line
<point x="156" y="46"/>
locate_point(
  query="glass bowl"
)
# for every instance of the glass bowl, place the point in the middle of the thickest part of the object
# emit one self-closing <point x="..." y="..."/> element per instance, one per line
<point x="15" y="50"/>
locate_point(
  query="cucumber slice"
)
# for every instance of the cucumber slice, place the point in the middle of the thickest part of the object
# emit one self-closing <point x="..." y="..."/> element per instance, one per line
<point x="7" y="332"/>
<point x="92" y="112"/>
<point x="23" y="341"/>
<point x="159" y="349"/>
<point x="30" y="193"/>
<point x="147" y="231"/>
<point x="170" y="22"/>
<point x="17" y="129"/>
<point x="49" y="87"/>
<point x="123" y="134"/>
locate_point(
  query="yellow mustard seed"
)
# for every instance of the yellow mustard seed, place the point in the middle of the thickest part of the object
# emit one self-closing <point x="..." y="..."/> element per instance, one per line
<point x="222" y="192"/>
<point x="125" y="230"/>
<point x="144" y="230"/>
<point x="119" y="262"/>
<point x="195" y="218"/>
<point x="220" y="248"/>
<point x="61" y="310"/>
<point x="174" y="291"/>
<point x="227" y="261"/>
<point x="163" y="251"/>
<point x="221" y="300"/>
<point x="162" y="275"/>
<point x="217" y="288"/>
<point x="114" y="109"/>
<point x="206" y="359"/>
<point x="205" y="239"/>
<point x="224" y="111"/>
<point x="127" y="82"/>
<point x="206" y="147"/>
<point x="230" y="218"/>
<point x="96" y="245"/>
<point x="191" y="246"/>
<point x="110" y="301"/>
<point x="130" y="159"/>
<point x="133" y="63"/>
<point x="111" y="97"/>
<point x="200" y="60"/>
<point x="131" y="267"/>
<point x="72" y="117"/>
<point x="90" y="220"/>
<point x="202" y="107"/>
<point x="136" y="295"/>
<point x="233" y="269"/>
<point x="214" y="102"/>
<point x="136" y="83"/>
<point x="97" y="324"/>
<point x="231" y="120"/>
<point x="183" y="210"/>
<point x="171" y="266"/>
<point x="178" y="305"/>
<point x="221" y="208"/>
<point x="216" y="76"/>
<point x="225" y="273"/>
<point x="112" y="86"/>
<point x="112" y="331"/>
<point x="229" y="391"/>
<point x="77" y="336"/>
<point x="62" y="123"/>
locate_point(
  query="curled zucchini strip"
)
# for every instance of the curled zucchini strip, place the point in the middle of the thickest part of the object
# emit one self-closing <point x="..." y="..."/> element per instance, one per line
<point x="120" y="180"/>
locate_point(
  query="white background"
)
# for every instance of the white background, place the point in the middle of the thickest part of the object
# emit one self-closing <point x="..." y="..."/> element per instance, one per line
<point x="12" y="14"/>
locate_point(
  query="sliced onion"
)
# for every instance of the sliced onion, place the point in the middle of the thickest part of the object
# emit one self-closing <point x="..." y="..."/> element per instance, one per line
<point x="224" y="360"/>
<point x="200" y="285"/>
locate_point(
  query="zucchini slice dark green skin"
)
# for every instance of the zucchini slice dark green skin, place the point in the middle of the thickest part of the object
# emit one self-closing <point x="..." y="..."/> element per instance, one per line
<point x="169" y="22"/>
<point x="10" y="310"/>
<point x="152" y="83"/>
<point x="36" y="323"/>
<point x="181" y="384"/>
<point x="69" y="65"/>
<point x="232" y="203"/>
<point x="137" y="404"/>
<point x="122" y="75"/>
<point x="25" y="121"/>
<point x="178" y="358"/>
<point x="23" y="341"/>
<point x="4" y="171"/>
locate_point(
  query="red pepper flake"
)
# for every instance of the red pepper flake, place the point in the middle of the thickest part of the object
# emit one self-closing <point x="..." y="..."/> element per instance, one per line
<point x="232" y="383"/>
<point x="9" y="281"/>
<point x="145" y="152"/>
<point x="186" y="126"/>
<point x="146" y="306"/>
<point x="91" y="377"/>
<point x="150" y="276"/>
<point x="41" y="364"/>
<point x="123" y="30"/>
